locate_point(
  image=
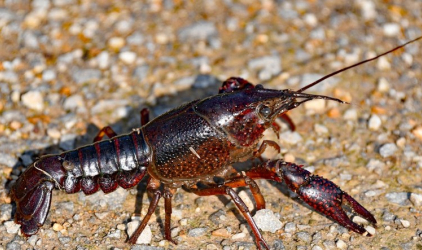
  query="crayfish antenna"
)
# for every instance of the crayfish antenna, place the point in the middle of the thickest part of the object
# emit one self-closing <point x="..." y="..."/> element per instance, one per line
<point x="356" y="64"/>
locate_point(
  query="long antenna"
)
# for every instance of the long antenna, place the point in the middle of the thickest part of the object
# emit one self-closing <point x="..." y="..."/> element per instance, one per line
<point x="356" y="64"/>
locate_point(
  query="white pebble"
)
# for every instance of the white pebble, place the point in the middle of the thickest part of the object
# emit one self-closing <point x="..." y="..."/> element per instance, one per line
<point x="371" y="230"/>
<point x="11" y="227"/>
<point x="146" y="235"/>
<point x="405" y="223"/>
<point x="33" y="100"/>
<point x="103" y="60"/>
<point x="374" y="122"/>
<point x="416" y="199"/>
<point x="383" y="85"/>
<point x="359" y="220"/>
<point x="127" y="57"/>
<point x="116" y="43"/>
<point x="351" y="115"/>
<point x="317" y="105"/>
<point x="310" y="19"/>
<point x="383" y="64"/>
<point x="183" y="222"/>
<point x="238" y="236"/>
<point x="246" y="199"/>
<point x="341" y="244"/>
<point x="320" y="129"/>
<point x="391" y="29"/>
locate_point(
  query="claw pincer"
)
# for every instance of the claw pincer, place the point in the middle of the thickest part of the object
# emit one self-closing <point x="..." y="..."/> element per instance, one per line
<point x="322" y="195"/>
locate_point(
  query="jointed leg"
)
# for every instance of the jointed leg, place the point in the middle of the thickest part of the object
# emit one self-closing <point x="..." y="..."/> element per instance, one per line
<point x="153" y="188"/>
<point x="144" y="116"/>
<point x="258" y="152"/>
<point x="226" y="190"/>
<point x="168" y="194"/>
<point x="110" y="132"/>
<point x="105" y="131"/>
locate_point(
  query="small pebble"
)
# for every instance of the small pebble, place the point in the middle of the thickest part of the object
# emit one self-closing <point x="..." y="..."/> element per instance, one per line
<point x="383" y="64"/>
<point x="222" y="232"/>
<point x="400" y="198"/>
<point x="102" y="215"/>
<point x="116" y="43"/>
<point x="416" y="199"/>
<point x="198" y="31"/>
<point x="320" y="129"/>
<point x="317" y="105"/>
<point x="351" y="115"/>
<point x="266" y="221"/>
<point x="146" y="235"/>
<point x="11" y="227"/>
<point x="32" y="240"/>
<point x="405" y="223"/>
<point x="391" y="29"/>
<point x="291" y="137"/>
<point x="387" y="150"/>
<point x="73" y="102"/>
<point x="383" y="85"/>
<point x="374" y="123"/>
<point x="33" y="100"/>
<point x="246" y="197"/>
<point x="127" y="57"/>
<point x="183" y="222"/>
<point x="115" y="234"/>
<point x="370" y="230"/>
<point x="5" y="212"/>
<point x="341" y="244"/>
<point x="375" y="165"/>
<point x="290" y="227"/>
<point x="196" y="232"/>
<point x="57" y="227"/>
<point x="417" y="132"/>
<point x="359" y="220"/>
<point x="238" y="236"/>
<point x="304" y="236"/>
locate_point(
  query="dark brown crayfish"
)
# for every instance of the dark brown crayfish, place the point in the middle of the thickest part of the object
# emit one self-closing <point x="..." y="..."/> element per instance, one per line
<point x="194" y="143"/>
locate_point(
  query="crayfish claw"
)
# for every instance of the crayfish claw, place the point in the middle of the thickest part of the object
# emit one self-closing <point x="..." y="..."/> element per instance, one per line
<point x="327" y="198"/>
<point x="324" y="196"/>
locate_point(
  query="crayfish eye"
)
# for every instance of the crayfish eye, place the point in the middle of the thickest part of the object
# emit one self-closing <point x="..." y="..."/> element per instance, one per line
<point x="265" y="111"/>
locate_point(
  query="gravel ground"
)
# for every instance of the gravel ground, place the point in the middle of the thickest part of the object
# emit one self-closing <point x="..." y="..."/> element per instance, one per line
<point x="68" y="68"/>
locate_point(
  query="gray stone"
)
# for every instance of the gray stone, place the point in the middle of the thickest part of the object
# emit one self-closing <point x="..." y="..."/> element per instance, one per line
<point x="268" y="66"/>
<point x="291" y="137"/>
<point x="290" y="227"/>
<point x="401" y="198"/>
<point x="196" y="232"/>
<point x="266" y="221"/>
<point x="145" y="247"/>
<point x="73" y="102"/>
<point x="304" y="236"/>
<point x="13" y="246"/>
<point x="7" y="160"/>
<point x="81" y="76"/>
<point x="388" y="149"/>
<point x="198" y="31"/>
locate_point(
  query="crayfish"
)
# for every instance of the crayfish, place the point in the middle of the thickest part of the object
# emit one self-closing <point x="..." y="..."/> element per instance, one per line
<point x="195" y="143"/>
